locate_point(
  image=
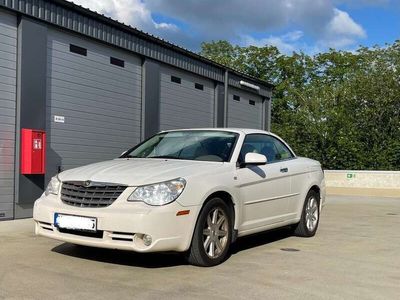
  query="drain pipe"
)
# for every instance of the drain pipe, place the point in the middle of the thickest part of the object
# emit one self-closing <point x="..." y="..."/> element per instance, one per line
<point x="226" y="82"/>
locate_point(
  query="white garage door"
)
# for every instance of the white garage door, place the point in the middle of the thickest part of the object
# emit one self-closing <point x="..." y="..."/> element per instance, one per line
<point x="244" y="109"/>
<point x="93" y="101"/>
<point x="8" y="58"/>
<point x="187" y="101"/>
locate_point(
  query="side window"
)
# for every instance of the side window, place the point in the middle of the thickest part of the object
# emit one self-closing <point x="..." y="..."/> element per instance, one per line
<point x="272" y="148"/>
<point x="282" y="151"/>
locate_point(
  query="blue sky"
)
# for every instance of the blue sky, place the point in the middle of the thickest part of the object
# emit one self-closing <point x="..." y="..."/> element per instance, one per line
<point x="381" y="23"/>
<point x="311" y="26"/>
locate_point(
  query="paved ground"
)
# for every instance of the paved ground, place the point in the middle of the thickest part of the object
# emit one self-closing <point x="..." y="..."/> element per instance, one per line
<point x="355" y="255"/>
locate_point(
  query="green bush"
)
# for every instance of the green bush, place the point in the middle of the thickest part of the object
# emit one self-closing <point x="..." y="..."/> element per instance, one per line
<point x="339" y="107"/>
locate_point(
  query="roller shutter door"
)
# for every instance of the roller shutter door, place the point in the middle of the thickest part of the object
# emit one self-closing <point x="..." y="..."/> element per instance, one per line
<point x="8" y="58"/>
<point x="186" y="100"/>
<point x="93" y="106"/>
<point x="244" y="109"/>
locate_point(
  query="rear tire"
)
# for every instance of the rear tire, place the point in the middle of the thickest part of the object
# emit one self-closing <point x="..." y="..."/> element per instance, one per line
<point x="309" y="221"/>
<point x="212" y="235"/>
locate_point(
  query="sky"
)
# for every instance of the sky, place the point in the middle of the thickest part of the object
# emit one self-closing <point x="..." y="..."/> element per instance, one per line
<point x="312" y="26"/>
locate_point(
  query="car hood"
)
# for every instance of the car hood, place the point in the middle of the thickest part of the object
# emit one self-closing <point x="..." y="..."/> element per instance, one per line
<point x="139" y="171"/>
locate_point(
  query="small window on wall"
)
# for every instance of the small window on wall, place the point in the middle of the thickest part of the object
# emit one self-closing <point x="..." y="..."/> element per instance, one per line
<point x="77" y="50"/>
<point x="117" y="62"/>
<point x="199" y="86"/>
<point x="252" y="102"/>
<point x="175" y="79"/>
<point x="236" y="97"/>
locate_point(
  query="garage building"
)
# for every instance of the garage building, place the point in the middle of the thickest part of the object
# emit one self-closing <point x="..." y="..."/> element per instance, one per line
<point x="96" y="87"/>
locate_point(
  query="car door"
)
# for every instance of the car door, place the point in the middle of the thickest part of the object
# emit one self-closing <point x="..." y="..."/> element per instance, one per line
<point x="264" y="189"/>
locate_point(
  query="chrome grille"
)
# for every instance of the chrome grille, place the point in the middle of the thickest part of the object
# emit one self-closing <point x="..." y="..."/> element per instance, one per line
<point x="90" y="194"/>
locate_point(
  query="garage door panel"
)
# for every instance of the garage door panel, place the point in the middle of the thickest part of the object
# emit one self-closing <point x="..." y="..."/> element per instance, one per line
<point x="66" y="88"/>
<point x="85" y="148"/>
<point x="98" y="89"/>
<point x="89" y="141"/>
<point x="100" y="102"/>
<point x="90" y="76"/>
<point x="8" y="75"/>
<point x="62" y="40"/>
<point x="60" y="57"/>
<point x="119" y="76"/>
<point x="195" y="115"/>
<point x="98" y="114"/>
<point x="87" y="119"/>
<point x="7" y="56"/>
<point x="83" y="104"/>
<point x="91" y="133"/>
<point x="7" y="78"/>
<point x="181" y="96"/>
<point x="99" y="84"/>
<point x="8" y="40"/>
<point x="241" y="113"/>
<point x="95" y="57"/>
<point x="8" y="49"/>
<point x="183" y="106"/>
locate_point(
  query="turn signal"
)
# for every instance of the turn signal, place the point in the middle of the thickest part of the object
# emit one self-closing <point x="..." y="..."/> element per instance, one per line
<point x="183" y="212"/>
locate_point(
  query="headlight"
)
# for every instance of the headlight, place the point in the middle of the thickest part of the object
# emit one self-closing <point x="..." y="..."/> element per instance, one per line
<point x="53" y="187"/>
<point x="159" y="193"/>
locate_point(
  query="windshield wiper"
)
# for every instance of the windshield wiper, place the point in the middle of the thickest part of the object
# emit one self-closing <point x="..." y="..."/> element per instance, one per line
<point x="164" y="156"/>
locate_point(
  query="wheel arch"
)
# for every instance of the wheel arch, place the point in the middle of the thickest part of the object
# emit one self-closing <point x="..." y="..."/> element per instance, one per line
<point x="226" y="197"/>
<point x="229" y="198"/>
<point x="314" y="186"/>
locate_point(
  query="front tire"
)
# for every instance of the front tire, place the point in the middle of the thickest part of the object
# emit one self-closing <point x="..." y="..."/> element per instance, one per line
<point x="309" y="221"/>
<point x="212" y="235"/>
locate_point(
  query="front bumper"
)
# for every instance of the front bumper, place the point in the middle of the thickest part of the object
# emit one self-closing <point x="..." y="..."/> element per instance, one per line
<point x="121" y="225"/>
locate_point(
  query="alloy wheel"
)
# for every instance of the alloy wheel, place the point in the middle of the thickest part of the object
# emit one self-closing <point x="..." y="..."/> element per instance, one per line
<point x="312" y="213"/>
<point x="215" y="233"/>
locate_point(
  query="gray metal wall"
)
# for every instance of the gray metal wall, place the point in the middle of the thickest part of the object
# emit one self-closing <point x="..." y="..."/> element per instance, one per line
<point x="101" y="102"/>
<point x="182" y="105"/>
<point x="243" y="115"/>
<point x="8" y="65"/>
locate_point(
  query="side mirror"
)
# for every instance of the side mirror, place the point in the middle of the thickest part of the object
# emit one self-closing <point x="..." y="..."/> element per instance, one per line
<point x="252" y="158"/>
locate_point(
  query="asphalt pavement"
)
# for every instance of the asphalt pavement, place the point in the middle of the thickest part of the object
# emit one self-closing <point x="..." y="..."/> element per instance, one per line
<point x="355" y="255"/>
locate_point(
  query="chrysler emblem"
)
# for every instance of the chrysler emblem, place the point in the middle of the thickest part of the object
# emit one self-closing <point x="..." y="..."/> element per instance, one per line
<point x="87" y="183"/>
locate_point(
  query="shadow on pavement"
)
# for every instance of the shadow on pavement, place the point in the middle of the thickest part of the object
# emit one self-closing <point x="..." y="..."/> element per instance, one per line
<point x="260" y="239"/>
<point x="121" y="257"/>
<point x="165" y="259"/>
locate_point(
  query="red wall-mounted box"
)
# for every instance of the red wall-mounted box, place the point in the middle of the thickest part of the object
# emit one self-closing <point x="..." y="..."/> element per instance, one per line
<point x="33" y="151"/>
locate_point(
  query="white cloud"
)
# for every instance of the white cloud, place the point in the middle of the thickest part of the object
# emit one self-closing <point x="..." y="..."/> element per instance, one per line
<point x="131" y="12"/>
<point x="238" y="21"/>
<point x="342" y="31"/>
<point x="286" y="43"/>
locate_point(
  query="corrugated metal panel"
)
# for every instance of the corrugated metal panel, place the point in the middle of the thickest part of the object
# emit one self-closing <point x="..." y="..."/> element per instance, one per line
<point x="241" y="113"/>
<point x="234" y="81"/>
<point x="8" y="65"/>
<point x="101" y="102"/>
<point x="182" y="105"/>
<point x="110" y="32"/>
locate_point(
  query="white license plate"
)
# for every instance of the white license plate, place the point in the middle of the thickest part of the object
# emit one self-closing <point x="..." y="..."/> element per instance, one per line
<point x="75" y="222"/>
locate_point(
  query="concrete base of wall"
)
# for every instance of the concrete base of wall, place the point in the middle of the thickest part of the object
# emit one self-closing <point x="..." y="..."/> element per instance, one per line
<point x="363" y="183"/>
<point x="351" y="191"/>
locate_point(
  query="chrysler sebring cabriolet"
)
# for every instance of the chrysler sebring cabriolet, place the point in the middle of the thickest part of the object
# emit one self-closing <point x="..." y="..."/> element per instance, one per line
<point x="193" y="191"/>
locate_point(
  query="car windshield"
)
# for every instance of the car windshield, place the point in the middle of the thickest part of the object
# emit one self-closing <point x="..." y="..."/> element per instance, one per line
<point x="204" y="145"/>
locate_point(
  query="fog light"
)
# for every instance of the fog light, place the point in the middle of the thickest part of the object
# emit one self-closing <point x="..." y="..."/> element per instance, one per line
<point x="147" y="240"/>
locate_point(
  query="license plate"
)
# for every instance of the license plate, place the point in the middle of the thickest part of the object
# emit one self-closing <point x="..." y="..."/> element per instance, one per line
<point x="75" y="222"/>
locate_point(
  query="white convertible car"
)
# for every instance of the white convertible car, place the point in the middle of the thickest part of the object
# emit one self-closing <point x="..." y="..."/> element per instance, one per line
<point x="192" y="191"/>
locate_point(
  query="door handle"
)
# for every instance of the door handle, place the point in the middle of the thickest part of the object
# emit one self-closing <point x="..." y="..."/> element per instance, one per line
<point x="284" y="170"/>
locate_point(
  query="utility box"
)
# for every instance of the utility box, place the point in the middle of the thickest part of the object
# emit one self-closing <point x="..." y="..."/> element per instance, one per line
<point x="33" y="151"/>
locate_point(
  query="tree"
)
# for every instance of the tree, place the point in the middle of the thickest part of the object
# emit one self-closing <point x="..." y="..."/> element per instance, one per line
<point x="339" y="107"/>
